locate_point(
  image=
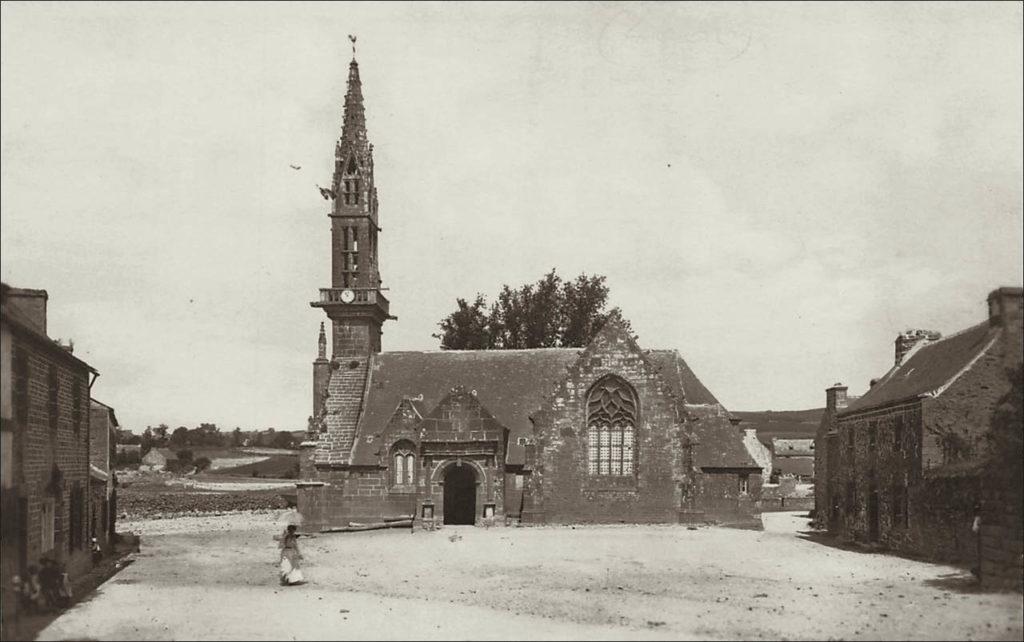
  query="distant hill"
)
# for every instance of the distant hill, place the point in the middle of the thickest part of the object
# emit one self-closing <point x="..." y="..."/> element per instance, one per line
<point x="786" y="424"/>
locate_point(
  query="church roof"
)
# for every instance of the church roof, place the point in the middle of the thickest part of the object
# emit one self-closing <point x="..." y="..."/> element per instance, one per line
<point x="511" y="384"/>
<point x="928" y="370"/>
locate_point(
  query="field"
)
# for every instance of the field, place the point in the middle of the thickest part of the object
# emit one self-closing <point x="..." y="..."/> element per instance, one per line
<point x="165" y="495"/>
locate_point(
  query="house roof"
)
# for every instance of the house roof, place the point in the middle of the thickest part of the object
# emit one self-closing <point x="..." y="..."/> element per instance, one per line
<point x="792" y="447"/>
<point x="511" y="384"/>
<point x="929" y="369"/>
<point x="99" y="405"/>
<point x="14" y="317"/>
<point x="719" y="443"/>
<point x="793" y="465"/>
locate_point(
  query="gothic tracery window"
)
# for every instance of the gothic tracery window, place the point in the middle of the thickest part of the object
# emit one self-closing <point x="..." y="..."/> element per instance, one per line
<point x="611" y="427"/>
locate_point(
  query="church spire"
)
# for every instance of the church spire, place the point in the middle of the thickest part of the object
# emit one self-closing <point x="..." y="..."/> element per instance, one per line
<point x="353" y="130"/>
<point x="322" y="344"/>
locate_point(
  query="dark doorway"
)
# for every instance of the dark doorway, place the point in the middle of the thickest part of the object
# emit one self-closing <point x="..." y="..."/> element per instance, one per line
<point x="460" y="495"/>
<point x="873" y="516"/>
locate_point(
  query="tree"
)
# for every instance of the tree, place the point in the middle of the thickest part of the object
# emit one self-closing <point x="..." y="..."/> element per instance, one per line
<point x="179" y="437"/>
<point x="236" y="437"/>
<point x="282" y="440"/>
<point x="201" y="464"/>
<point x="550" y="313"/>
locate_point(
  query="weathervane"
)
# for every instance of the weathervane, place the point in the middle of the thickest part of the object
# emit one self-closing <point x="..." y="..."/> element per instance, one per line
<point x="353" y="39"/>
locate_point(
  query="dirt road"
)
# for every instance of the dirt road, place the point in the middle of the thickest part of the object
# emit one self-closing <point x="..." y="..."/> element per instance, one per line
<point x="215" y="578"/>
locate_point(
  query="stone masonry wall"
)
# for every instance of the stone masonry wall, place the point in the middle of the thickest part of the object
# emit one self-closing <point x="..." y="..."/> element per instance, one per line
<point x="560" y="488"/>
<point x="43" y="445"/>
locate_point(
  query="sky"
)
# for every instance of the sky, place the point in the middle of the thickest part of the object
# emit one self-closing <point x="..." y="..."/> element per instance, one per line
<point x="775" y="190"/>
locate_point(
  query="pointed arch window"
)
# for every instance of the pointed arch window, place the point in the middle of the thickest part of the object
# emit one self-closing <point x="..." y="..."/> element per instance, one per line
<point x="403" y="464"/>
<point x="611" y="427"/>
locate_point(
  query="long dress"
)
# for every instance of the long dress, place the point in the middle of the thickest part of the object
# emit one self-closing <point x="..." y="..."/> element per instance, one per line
<point x="290" y="572"/>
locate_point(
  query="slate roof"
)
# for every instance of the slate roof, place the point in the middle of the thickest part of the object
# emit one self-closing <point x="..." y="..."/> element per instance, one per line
<point x="719" y="443"/>
<point x="929" y="369"/>
<point x="511" y="384"/>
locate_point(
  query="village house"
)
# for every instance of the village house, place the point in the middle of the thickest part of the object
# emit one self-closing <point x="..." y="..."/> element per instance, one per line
<point x="607" y="433"/>
<point x="905" y="463"/>
<point x="156" y="459"/>
<point x="103" y="426"/>
<point x="45" y="426"/>
<point x="793" y="458"/>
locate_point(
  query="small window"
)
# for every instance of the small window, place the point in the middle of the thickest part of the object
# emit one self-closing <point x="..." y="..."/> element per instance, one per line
<point x="20" y="374"/>
<point x="872" y="434"/>
<point x="744" y="484"/>
<point x="53" y="406"/>
<point x="519" y="482"/>
<point x="76" y="408"/>
<point x="898" y="434"/>
<point x="399" y="468"/>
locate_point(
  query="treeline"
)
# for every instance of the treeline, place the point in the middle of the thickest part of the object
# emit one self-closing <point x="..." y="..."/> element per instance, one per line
<point x="207" y="435"/>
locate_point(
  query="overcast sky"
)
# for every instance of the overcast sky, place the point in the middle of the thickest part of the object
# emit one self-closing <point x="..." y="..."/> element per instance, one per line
<point x="773" y="189"/>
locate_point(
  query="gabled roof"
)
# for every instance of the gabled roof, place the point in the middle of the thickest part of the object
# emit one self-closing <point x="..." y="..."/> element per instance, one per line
<point x="929" y="369"/>
<point x="511" y="384"/>
<point x="719" y="443"/>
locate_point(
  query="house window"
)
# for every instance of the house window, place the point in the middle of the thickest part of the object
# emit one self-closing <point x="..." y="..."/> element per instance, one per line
<point x="898" y="499"/>
<point x="744" y="484"/>
<point x="47" y="515"/>
<point x="19" y="372"/>
<point x="76" y="409"/>
<point x="872" y="434"/>
<point x="898" y="433"/>
<point x="519" y="482"/>
<point x="54" y="390"/>
<point x="611" y="426"/>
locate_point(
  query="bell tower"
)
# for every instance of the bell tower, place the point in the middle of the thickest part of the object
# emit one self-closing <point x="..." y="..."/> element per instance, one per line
<point x="354" y="303"/>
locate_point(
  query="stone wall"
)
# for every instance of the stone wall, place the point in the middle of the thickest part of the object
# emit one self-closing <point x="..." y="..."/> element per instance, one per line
<point x="560" y="488"/>
<point x="1002" y="539"/>
<point x="47" y="441"/>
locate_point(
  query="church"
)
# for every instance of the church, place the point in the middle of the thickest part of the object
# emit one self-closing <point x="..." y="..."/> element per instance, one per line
<point x="607" y="433"/>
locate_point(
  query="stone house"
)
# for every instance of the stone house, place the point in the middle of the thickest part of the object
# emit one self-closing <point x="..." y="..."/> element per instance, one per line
<point x="103" y="426"/>
<point x="793" y="458"/>
<point x="156" y="459"/>
<point x="46" y="440"/>
<point x="904" y="465"/>
<point x="607" y="433"/>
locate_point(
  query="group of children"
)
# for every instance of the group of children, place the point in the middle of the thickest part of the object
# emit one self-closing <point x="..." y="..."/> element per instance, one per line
<point x="44" y="588"/>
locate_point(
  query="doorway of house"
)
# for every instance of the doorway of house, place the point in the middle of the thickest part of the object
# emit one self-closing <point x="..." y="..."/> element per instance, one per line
<point x="460" y="495"/>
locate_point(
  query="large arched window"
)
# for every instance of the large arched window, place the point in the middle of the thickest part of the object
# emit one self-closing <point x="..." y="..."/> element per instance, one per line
<point x="611" y="427"/>
<point x="403" y="464"/>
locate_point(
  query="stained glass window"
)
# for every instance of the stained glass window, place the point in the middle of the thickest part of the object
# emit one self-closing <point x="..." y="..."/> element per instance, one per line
<point x="611" y="423"/>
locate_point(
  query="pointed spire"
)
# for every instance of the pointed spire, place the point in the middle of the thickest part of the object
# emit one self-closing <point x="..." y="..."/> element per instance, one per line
<point x="322" y="343"/>
<point x="354" y="127"/>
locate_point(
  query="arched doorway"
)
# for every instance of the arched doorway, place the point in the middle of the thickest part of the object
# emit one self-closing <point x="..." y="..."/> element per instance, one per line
<point x="460" y="495"/>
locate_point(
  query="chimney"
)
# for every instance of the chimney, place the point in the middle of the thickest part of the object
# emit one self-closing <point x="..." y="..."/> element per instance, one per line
<point x="1004" y="310"/>
<point x="906" y="340"/>
<point x="835" y="398"/>
<point x="1004" y="306"/>
<point x="29" y="307"/>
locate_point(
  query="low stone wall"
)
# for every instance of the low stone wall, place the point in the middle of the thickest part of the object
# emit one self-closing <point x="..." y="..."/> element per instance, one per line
<point x="779" y="504"/>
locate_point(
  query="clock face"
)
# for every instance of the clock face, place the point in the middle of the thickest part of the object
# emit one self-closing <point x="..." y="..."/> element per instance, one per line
<point x="348" y="296"/>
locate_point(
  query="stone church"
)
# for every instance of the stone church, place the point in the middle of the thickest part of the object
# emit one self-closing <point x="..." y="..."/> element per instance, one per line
<point x="608" y="433"/>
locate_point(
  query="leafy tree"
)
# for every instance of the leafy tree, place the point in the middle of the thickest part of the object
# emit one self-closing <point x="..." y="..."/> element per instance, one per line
<point x="282" y="440"/>
<point x="179" y="437"/>
<point x="201" y="464"/>
<point x="236" y="437"/>
<point x="547" y="314"/>
<point x="185" y="455"/>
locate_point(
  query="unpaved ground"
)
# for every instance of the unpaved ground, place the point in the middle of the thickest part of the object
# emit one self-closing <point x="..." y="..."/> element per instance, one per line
<point x="214" y="578"/>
